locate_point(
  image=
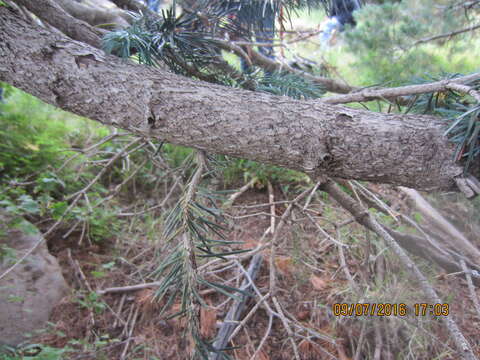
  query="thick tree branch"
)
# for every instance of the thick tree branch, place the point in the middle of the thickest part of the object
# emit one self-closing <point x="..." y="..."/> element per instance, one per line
<point x="96" y="15"/>
<point x="310" y="136"/>
<point x="53" y="14"/>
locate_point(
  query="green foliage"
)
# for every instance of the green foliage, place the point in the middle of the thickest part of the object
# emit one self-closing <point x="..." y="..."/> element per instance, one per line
<point x="31" y="136"/>
<point x="290" y="85"/>
<point x="189" y="43"/>
<point x="382" y="43"/>
<point x="35" y="352"/>
<point x="34" y="138"/>
<point x="237" y="168"/>
<point x="461" y="112"/>
<point x="195" y="226"/>
<point x="181" y="42"/>
<point x="92" y="301"/>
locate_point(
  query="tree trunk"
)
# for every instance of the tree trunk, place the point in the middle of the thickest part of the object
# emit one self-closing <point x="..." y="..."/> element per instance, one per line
<point x="310" y="136"/>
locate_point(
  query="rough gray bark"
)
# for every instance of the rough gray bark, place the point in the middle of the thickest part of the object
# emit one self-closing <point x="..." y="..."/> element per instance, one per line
<point x="310" y="136"/>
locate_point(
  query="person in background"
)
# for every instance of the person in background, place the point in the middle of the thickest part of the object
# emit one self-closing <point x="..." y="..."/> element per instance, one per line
<point x="339" y="15"/>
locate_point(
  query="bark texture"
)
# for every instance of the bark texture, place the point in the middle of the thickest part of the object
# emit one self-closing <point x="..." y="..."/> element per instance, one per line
<point x="94" y="16"/>
<point x="53" y="13"/>
<point x="310" y="136"/>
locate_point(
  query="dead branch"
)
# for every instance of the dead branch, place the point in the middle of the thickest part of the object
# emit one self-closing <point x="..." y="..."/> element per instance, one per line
<point x="287" y="327"/>
<point x="124" y="289"/>
<point x="236" y="310"/>
<point x="271" y="199"/>
<point x="110" y="162"/>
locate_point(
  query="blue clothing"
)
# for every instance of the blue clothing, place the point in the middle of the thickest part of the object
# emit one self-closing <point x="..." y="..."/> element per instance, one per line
<point x="328" y="29"/>
<point x="153" y="5"/>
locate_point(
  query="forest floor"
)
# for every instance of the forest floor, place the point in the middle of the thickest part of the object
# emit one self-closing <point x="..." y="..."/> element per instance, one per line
<point x="310" y="280"/>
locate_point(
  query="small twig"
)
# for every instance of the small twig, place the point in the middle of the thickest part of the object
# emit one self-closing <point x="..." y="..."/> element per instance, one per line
<point x="271" y="199"/>
<point x="110" y="162"/>
<point x="262" y="205"/>
<point x="324" y="233"/>
<point x="265" y="337"/>
<point x="310" y="197"/>
<point x="235" y="195"/>
<point x="130" y="332"/>
<point x="273" y="242"/>
<point x="119" y="311"/>
<point x="124" y="289"/>
<point x="361" y="339"/>
<point x="250" y="314"/>
<point x="78" y="270"/>
<point x="233" y="316"/>
<point x="161" y="205"/>
<point x="284" y="321"/>
<point x="343" y="264"/>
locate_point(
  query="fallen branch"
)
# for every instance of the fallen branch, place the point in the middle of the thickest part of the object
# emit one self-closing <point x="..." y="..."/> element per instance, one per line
<point x="236" y="311"/>
<point x="124" y="289"/>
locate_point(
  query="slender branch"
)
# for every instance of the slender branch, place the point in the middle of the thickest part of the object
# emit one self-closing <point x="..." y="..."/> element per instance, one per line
<point x="447" y="35"/>
<point x="287" y="327"/>
<point x="391" y="93"/>
<point x="466" y="90"/>
<point x="268" y="64"/>
<point x="111" y="161"/>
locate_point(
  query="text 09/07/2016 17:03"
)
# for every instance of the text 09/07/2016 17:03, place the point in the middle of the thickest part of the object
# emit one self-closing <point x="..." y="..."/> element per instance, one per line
<point x="390" y="309"/>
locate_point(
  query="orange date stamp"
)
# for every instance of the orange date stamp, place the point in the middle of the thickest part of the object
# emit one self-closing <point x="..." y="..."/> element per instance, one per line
<point x="390" y="309"/>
